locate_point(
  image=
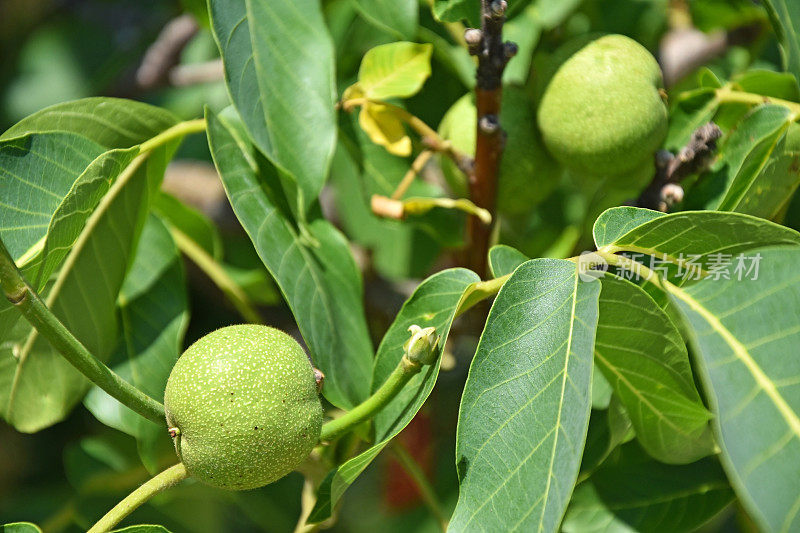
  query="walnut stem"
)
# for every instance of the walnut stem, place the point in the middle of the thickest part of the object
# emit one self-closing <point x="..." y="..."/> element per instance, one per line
<point x="493" y="55"/>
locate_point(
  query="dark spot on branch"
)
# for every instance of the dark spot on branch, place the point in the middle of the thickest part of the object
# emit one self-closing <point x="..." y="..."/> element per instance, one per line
<point x="664" y="191"/>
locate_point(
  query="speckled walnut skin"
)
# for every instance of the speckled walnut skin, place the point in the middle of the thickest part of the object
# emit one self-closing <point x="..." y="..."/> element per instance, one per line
<point x="245" y="402"/>
<point x="601" y="113"/>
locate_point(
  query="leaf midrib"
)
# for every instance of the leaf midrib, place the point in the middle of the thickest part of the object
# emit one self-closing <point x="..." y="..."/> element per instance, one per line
<point x="561" y="403"/>
<point x="743" y="355"/>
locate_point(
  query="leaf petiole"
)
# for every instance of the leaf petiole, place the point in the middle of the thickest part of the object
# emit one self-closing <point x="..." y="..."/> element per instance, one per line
<point x="24" y="298"/>
<point x="728" y="95"/>
<point x="400" y="376"/>
<point x="158" y="483"/>
<point x="175" y="132"/>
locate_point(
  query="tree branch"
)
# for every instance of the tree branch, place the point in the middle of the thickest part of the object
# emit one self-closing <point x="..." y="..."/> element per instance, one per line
<point x="665" y="189"/>
<point x="165" y="53"/>
<point x="493" y="54"/>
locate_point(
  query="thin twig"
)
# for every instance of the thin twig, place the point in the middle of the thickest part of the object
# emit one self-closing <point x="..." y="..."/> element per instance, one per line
<point x="165" y="52"/>
<point x="665" y="189"/>
<point x="416" y="167"/>
<point x="197" y="73"/>
<point x="430" y="138"/>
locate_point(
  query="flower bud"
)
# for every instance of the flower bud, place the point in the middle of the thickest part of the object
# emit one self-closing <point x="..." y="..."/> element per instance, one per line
<point x="421" y="347"/>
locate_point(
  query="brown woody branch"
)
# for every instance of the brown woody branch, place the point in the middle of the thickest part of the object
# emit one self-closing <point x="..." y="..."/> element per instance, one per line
<point x="665" y="189"/>
<point x="165" y="53"/>
<point x="493" y="54"/>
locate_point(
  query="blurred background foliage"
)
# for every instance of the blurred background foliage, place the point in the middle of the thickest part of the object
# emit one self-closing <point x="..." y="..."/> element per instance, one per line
<point x="52" y="51"/>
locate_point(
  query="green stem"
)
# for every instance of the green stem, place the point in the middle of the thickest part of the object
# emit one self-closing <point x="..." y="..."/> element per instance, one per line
<point x="178" y="130"/>
<point x="413" y="469"/>
<point x="637" y="268"/>
<point x="217" y="274"/>
<point x="160" y="482"/>
<point x="404" y="371"/>
<point x="731" y="96"/>
<point x="47" y="324"/>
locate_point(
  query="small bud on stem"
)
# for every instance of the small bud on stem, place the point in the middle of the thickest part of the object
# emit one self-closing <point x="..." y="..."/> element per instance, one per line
<point x="421" y="347"/>
<point x="498" y="8"/>
<point x="489" y="124"/>
<point x="510" y="49"/>
<point x="473" y="37"/>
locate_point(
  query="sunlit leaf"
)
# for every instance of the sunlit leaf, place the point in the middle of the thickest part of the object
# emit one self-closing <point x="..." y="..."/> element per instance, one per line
<point x="279" y="64"/>
<point x="319" y="280"/>
<point x="385" y="129"/>
<point x="746" y="335"/>
<point x="434" y="303"/>
<point x="641" y="353"/>
<point x="676" y="238"/>
<point x="525" y="407"/>
<point x="394" y="70"/>
<point x="505" y="259"/>
<point x="396" y="16"/>
<point x="110" y="122"/>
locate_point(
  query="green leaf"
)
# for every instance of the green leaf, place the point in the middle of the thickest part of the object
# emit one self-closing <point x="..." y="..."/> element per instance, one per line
<point x="279" y="67"/>
<point x="434" y="303"/>
<point x="38" y="172"/>
<point x="21" y="527"/>
<point x="458" y="10"/>
<point x="525" y="407"/>
<point x="399" y="17"/>
<point x="785" y="18"/>
<point x="191" y="222"/>
<point x="743" y="156"/>
<point x="505" y="259"/>
<point x="69" y="219"/>
<point x="607" y="429"/>
<point x="95" y="218"/>
<point x="613" y="224"/>
<point x="745" y="334"/>
<point x="631" y="492"/>
<point x="319" y="280"/>
<point x="763" y="171"/>
<point x="394" y="70"/>
<point x="641" y="353"/>
<point x="153" y="310"/>
<point x="44" y="386"/>
<point x="678" y="237"/>
<point x="691" y="110"/>
<point x="769" y="83"/>
<point x="60" y="176"/>
<point x="110" y="122"/>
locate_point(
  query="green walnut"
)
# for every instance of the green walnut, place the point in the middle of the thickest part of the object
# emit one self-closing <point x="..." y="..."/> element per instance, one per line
<point x="242" y="406"/>
<point x="527" y="172"/>
<point x="602" y="113"/>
